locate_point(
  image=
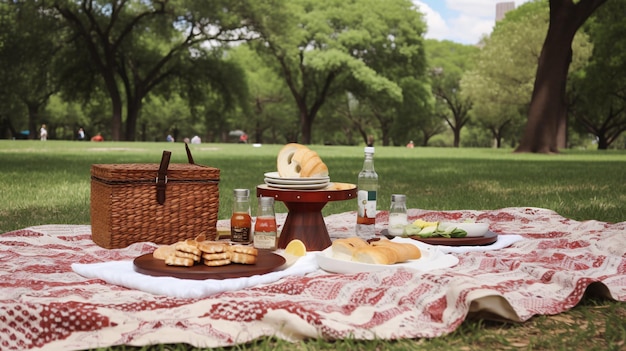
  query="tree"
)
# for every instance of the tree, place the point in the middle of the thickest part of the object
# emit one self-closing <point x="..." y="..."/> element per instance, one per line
<point x="322" y="48"/>
<point x="547" y="116"/>
<point x="448" y="61"/>
<point x="30" y="42"/>
<point x="135" y="46"/>
<point x="501" y="82"/>
<point x="266" y="90"/>
<point x="600" y="100"/>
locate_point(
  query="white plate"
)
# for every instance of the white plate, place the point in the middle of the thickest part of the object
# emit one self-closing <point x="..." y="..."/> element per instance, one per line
<point x="296" y="182"/>
<point x="472" y="229"/>
<point x="300" y="186"/>
<point x="275" y="176"/>
<point x="432" y="258"/>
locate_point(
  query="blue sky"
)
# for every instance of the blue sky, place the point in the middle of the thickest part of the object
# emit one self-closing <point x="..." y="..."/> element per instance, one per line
<point x="462" y="21"/>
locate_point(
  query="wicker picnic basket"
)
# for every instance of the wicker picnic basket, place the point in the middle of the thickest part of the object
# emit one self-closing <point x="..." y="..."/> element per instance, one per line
<point x="161" y="203"/>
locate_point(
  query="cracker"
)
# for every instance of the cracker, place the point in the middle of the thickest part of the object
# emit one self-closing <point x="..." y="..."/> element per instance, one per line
<point x="189" y="248"/>
<point x="163" y="251"/>
<point x="187" y="255"/>
<point x="242" y="258"/>
<point x="212" y="247"/>
<point x="216" y="256"/>
<point x="216" y="263"/>
<point x="248" y="250"/>
<point x="178" y="261"/>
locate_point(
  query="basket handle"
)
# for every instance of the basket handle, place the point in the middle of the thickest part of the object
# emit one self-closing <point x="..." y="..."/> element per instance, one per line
<point x="189" y="157"/>
<point x="161" y="181"/>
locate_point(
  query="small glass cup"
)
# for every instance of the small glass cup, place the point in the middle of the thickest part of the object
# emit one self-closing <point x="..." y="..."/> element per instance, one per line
<point x="398" y="218"/>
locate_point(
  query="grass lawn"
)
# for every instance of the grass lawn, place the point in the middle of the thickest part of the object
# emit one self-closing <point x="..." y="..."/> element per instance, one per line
<point x="48" y="182"/>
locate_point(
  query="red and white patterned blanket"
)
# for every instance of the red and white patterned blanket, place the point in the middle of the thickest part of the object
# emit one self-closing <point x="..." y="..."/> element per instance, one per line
<point x="45" y="305"/>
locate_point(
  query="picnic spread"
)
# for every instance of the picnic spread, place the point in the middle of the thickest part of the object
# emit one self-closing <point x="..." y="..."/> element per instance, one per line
<point x="60" y="290"/>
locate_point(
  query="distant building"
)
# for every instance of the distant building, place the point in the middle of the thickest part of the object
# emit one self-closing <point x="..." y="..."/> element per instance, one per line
<point x="502" y="8"/>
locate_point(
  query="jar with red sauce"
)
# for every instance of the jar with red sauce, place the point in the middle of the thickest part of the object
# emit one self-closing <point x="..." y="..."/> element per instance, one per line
<point x="241" y="221"/>
<point x="265" y="231"/>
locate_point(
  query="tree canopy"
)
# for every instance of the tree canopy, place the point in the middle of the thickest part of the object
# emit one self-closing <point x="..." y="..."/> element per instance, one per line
<point x="325" y="71"/>
<point x="323" y="48"/>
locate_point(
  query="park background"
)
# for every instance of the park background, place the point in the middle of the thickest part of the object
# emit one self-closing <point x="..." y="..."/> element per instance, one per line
<point x="139" y="71"/>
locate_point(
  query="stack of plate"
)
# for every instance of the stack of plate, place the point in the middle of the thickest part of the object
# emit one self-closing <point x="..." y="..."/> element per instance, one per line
<point x="311" y="183"/>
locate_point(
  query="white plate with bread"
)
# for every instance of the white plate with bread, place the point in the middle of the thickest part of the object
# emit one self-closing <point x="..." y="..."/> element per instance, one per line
<point x="350" y="255"/>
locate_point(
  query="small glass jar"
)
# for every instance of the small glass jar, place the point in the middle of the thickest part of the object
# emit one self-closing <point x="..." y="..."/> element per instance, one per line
<point x="241" y="221"/>
<point x="265" y="233"/>
<point x="397" y="215"/>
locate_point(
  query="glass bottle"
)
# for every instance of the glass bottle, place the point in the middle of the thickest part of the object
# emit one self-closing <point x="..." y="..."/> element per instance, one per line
<point x="397" y="215"/>
<point x="241" y="222"/>
<point x="265" y="236"/>
<point x="367" y="191"/>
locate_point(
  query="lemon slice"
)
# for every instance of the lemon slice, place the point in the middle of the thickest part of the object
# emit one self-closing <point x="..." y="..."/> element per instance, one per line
<point x="422" y="223"/>
<point x="296" y="247"/>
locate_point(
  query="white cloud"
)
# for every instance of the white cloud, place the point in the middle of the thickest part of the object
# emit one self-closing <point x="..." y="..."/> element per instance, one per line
<point x="462" y="21"/>
<point x="473" y="8"/>
<point x="470" y="30"/>
<point x="437" y="27"/>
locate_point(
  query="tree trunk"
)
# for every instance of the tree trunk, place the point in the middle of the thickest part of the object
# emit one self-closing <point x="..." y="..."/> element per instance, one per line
<point x="33" y="115"/>
<point x="306" y="122"/>
<point x="132" y="115"/>
<point x="547" y="116"/>
<point x="603" y="143"/>
<point x="457" y="136"/>
<point x="116" y="120"/>
<point x="547" y="106"/>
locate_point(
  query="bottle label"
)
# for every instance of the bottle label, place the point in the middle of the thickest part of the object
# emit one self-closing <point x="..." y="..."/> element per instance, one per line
<point x="367" y="204"/>
<point x="265" y="240"/>
<point x="240" y="234"/>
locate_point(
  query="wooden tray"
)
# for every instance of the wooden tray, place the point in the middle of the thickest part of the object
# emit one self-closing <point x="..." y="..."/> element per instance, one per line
<point x="266" y="262"/>
<point x="487" y="239"/>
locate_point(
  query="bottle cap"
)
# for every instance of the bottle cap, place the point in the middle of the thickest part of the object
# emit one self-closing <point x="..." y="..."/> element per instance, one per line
<point x="398" y="198"/>
<point x="369" y="149"/>
<point x="266" y="201"/>
<point x="241" y="192"/>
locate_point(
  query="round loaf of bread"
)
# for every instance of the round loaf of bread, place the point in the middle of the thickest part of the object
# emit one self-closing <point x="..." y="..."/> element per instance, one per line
<point x="298" y="161"/>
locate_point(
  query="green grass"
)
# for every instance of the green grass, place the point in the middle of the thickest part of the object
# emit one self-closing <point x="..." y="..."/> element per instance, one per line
<point x="46" y="183"/>
<point x="43" y="183"/>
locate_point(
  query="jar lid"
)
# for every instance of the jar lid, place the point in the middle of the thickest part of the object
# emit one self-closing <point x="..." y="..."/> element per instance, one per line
<point x="241" y="192"/>
<point x="266" y="201"/>
<point x="398" y="198"/>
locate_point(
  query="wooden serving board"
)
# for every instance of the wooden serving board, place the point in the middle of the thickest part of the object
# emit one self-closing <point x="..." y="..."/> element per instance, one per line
<point x="267" y="261"/>
<point x="487" y="239"/>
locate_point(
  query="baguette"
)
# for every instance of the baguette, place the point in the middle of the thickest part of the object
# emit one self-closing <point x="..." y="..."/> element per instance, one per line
<point x="343" y="249"/>
<point x="405" y="251"/>
<point x="375" y="255"/>
<point x="382" y="251"/>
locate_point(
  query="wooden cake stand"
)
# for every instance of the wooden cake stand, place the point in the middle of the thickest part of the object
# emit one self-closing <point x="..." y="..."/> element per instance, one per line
<point x="305" y="220"/>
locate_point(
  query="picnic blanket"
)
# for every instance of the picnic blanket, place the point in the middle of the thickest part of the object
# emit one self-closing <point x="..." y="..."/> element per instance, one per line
<point x="44" y="304"/>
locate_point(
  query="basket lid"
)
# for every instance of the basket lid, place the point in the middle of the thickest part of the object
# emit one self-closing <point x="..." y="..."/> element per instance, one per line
<point x="148" y="171"/>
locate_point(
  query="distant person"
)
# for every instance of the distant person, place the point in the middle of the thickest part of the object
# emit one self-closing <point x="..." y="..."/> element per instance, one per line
<point x="243" y="139"/>
<point x="97" y="137"/>
<point x="43" y="133"/>
<point x="410" y="145"/>
<point x="196" y="140"/>
<point x="170" y="138"/>
<point x="81" y="134"/>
